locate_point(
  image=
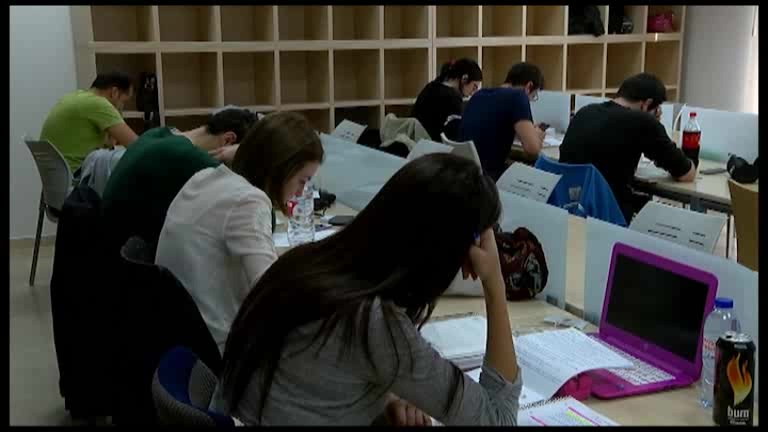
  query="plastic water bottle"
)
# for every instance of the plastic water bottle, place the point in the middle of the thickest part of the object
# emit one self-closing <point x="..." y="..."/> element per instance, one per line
<point x="301" y="227"/>
<point x="719" y="321"/>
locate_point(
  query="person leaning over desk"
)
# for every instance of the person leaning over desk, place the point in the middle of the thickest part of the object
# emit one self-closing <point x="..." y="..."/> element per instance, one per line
<point x="329" y="335"/>
<point x="217" y="236"/>
<point x="612" y="135"/>
<point x="494" y="116"/>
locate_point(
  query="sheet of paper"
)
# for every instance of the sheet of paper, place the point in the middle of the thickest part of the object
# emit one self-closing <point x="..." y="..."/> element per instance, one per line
<point x="523" y="180"/>
<point x="425" y="147"/>
<point x="564" y="412"/>
<point x="259" y="116"/>
<point x="281" y="238"/>
<point x="647" y="171"/>
<point x="348" y="130"/>
<point x="457" y="337"/>
<point x="549" y="359"/>
<point x="696" y="230"/>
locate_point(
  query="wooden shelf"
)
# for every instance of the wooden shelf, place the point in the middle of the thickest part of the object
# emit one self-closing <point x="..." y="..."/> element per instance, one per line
<point x="401" y="111"/>
<point x="249" y="78"/>
<point x="355" y="22"/>
<point x="677" y="10"/>
<point x="303" y="22"/>
<point x="499" y="21"/>
<point x="185" y="123"/>
<point x="356" y="75"/>
<point x="190" y="80"/>
<point x="247" y="23"/>
<point x="123" y="23"/>
<point x="320" y="119"/>
<point x="445" y="55"/>
<point x="132" y="64"/>
<point x="187" y="23"/>
<point x="549" y="58"/>
<point x="497" y="61"/>
<point x="369" y="116"/>
<point x="637" y="14"/>
<point x="406" y="22"/>
<point x="672" y="95"/>
<point x="545" y="21"/>
<point x="585" y="67"/>
<point x="457" y="21"/>
<point x="304" y="77"/>
<point x="623" y="61"/>
<point x="405" y="72"/>
<point x="662" y="60"/>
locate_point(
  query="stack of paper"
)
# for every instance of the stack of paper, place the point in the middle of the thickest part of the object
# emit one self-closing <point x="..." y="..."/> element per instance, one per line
<point x="460" y="340"/>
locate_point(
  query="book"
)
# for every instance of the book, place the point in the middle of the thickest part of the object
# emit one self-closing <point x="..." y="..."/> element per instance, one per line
<point x="565" y="411"/>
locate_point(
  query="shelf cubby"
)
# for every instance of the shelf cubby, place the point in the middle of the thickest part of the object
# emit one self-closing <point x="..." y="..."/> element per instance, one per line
<point x="549" y="58"/>
<point x="185" y="123"/>
<point x="190" y="80"/>
<point x="122" y="23"/>
<point x="249" y="78"/>
<point x="496" y="63"/>
<point x="623" y="61"/>
<point x="320" y="119"/>
<point x="637" y="14"/>
<point x="676" y="10"/>
<point x="585" y="67"/>
<point x="406" y="22"/>
<point x="672" y="95"/>
<point x="662" y="60"/>
<point x="247" y="23"/>
<point x="401" y="111"/>
<point x="545" y="21"/>
<point x="187" y="23"/>
<point x="302" y="22"/>
<point x="369" y="115"/>
<point x="502" y="21"/>
<point x="355" y="22"/>
<point x="304" y="77"/>
<point x="457" y="21"/>
<point x="445" y="55"/>
<point x="136" y="124"/>
<point x="356" y="75"/>
<point x="405" y="72"/>
<point x="132" y="64"/>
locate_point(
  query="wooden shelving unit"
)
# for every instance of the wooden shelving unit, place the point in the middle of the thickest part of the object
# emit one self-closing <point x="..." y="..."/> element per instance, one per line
<point x="358" y="61"/>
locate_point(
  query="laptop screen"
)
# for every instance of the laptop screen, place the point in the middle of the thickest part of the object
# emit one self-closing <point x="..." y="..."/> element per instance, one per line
<point x="657" y="305"/>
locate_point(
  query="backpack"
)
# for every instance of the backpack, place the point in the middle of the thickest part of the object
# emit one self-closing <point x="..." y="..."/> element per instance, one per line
<point x="523" y="264"/>
<point x="147" y="100"/>
<point x="618" y="21"/>
<point x="585" y="20"/>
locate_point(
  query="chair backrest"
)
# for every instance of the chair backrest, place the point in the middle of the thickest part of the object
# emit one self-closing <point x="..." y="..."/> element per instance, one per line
<point x="745" y="208"/>
<point x="182" y="388"/>
<point x="582" y="190"/>
<point x="465" y="149"/>
<point x="689" y="228"/>
<point x="55" y="174"/>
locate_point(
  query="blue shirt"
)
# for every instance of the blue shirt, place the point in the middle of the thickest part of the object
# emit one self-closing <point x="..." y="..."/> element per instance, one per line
<point x="489" y="120"/>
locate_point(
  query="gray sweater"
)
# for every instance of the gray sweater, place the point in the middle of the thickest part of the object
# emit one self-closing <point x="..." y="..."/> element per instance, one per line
<point x="323" y="388"/>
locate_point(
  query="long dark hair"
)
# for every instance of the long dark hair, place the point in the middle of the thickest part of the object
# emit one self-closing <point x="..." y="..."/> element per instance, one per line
<point x="405" y="248"/>
<point x="458" y="69"/>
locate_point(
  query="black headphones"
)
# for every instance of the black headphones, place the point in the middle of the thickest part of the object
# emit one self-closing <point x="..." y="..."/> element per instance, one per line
<point x="742" y="171"/>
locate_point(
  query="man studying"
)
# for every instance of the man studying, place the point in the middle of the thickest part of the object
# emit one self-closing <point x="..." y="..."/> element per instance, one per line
<point x="494" y="116"/>
<point x="81" y="121"/>
<point x="612" y="136"/>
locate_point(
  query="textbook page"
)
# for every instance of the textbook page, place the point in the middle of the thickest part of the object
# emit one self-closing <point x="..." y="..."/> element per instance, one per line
<point x="549" y="359"/>
<point x="348" y="130"/>
<point x="562" y="412"/>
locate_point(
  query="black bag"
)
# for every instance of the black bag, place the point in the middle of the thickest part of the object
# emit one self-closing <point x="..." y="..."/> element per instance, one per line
<point x="147" y="100"/>
<point x="618" y="21"/>
<point x="585" y="20"/>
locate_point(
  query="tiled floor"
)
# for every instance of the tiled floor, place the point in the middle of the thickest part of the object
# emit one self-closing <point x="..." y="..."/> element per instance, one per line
<point x="34" y="394"/>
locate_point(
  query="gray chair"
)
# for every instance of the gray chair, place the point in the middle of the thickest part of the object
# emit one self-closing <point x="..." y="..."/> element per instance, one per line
<point x="466" y="149"/>
<point x="56" y="179"/>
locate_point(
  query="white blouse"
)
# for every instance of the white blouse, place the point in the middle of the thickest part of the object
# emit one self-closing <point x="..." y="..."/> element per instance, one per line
<point x="217" y="240"/>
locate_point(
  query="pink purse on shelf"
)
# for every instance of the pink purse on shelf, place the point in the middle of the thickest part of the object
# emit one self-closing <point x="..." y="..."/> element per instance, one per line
<point x="661" y="23"/>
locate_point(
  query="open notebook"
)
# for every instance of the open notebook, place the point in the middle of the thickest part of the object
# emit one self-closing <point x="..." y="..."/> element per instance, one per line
<point x="561" y="412"/>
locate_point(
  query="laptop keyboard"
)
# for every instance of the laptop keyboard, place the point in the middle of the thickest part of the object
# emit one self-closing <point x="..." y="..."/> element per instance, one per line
<point x="641" y="373"/>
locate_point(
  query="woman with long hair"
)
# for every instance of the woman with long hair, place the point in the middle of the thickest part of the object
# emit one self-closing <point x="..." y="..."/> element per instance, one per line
<point x="331" y="331"/>
<point x="444" y="96"/>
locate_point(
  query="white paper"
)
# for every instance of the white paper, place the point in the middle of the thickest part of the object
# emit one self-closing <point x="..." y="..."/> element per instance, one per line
<point x="552" y="141"/>
<point x="565" y="321"/>
<point x="348" y="130"/>
<point x="647" y="171"/>
<point x="528" y="182"/>
<point x="426" y="147"/>
<point x="696" y="230"/>
<point x="280" y="239"/>
<point x="549" y="359"/>
<point x="564" y="412"/>
<point x="259" y="116"/>
<point x="457" y="337"/>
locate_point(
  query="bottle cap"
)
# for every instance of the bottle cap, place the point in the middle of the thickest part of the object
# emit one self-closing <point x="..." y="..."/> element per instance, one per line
<point x="724" y="303"/>
<point x="693" y="114"/>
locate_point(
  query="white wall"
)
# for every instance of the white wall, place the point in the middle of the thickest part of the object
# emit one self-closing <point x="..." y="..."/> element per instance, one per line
<point x="717" y="57"/>
<point x="42" y="69"/>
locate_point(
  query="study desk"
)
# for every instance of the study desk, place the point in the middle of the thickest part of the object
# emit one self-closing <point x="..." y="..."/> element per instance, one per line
<point x="675" y="407"/>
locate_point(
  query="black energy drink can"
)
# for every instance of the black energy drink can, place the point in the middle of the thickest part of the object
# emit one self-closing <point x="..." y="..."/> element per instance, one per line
<point x="734" y="394"/>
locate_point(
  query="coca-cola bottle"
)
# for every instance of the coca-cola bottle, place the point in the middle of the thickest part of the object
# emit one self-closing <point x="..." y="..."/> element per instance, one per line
<point x="691" y="138"/>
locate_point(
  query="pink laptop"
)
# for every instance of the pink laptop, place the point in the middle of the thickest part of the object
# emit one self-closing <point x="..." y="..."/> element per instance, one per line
<point x="653" y="315"/>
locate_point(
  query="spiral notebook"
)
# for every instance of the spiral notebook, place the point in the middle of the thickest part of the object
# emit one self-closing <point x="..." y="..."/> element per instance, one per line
<point x="565" y="411"/>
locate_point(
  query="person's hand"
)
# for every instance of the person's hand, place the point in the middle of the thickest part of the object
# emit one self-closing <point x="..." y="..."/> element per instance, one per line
<point x="401" y="413"/>
<point x="484" y="258"/>
<point x="225" y="154"/>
